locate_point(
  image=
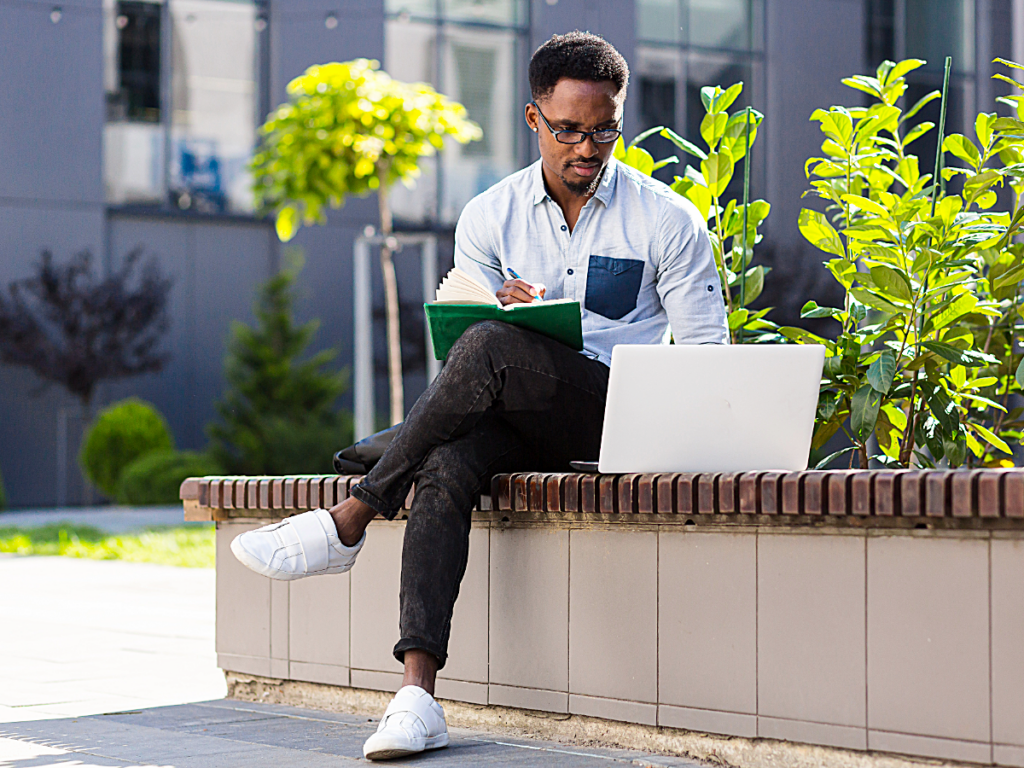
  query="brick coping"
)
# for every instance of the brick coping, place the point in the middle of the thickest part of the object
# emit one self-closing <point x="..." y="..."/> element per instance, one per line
<point x="979" y="497"/>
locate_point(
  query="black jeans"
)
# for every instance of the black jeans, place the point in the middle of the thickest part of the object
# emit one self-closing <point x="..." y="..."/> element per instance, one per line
<point x="506" y="400"/>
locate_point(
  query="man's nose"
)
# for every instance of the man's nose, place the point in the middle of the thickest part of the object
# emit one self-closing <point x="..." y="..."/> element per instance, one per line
<point x="587" y="147"/>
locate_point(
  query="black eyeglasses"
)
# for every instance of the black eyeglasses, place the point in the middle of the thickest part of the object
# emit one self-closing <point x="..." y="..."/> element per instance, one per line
<point x="603" y="136"/>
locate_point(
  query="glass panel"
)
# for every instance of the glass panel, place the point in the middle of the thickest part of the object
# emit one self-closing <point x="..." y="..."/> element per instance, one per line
<point x="940" y="28"/>
<point x="479" y="71"/>
<point x="720" y="24"/>
<point x="881" y="30"/>
<point x="656" y="77"/>
<point x="506" y="12"/>
<point x="658" y="21"/>
<point x="420" y="9"/>
<point x="410" y="55"/>
<point x="214" y="97"/>
<point x="133" y="138"/>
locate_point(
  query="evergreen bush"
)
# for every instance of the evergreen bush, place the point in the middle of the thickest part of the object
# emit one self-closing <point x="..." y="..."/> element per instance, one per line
<point x="156" y="477"/>
<point x="279" y="413"/>
<point x="121" y="434"/>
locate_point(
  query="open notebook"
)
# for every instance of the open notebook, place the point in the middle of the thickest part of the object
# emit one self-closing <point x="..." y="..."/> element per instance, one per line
<point x="462" y="301"/>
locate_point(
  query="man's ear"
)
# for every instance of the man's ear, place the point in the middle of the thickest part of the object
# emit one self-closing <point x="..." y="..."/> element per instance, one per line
<point x="531" y="117"/>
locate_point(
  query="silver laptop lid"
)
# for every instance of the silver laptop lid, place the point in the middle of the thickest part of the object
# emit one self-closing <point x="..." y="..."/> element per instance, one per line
<point x="710" y="408"/>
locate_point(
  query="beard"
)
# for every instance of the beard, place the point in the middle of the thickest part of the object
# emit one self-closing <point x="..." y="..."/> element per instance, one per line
<point x="582" y="188"/>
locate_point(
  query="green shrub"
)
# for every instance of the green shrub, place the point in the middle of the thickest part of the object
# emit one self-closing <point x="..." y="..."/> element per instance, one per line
<point x="279" y="413"/>
<point x="156" y="477"/>
<point x="121" y="433"/>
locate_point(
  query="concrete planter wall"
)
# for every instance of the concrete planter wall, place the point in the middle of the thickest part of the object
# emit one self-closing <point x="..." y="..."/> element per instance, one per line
<point x="884" y="638"/>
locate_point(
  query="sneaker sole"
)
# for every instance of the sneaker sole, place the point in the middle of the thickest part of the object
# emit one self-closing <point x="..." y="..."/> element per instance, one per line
<point x="390" y="753"/>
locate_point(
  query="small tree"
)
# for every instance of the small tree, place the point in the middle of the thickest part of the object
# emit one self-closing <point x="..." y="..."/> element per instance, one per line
<point x="76" y="331"/>
<point x="279" y="411"/>
<point x="349" y="129"/>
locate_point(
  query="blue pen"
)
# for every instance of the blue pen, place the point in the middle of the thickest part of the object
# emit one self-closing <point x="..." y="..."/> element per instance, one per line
<point x="512" y="272"/>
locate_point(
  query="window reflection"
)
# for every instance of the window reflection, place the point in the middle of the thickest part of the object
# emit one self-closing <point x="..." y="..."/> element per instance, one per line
<point x="936" y="29"/>
<point x="474" y="64"/>
<point x="214" y="109"/>
<point x="193" y="154"/>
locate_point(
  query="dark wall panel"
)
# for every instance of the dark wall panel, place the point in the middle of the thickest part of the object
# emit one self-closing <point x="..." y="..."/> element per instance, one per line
<point x="51" y="101"/>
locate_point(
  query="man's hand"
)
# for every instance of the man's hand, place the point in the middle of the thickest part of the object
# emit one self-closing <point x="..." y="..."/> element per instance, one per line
<point x="519" y="292"/>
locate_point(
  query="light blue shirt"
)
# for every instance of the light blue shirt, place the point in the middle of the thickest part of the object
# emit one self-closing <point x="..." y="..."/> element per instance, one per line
<point x="639" y="260"/>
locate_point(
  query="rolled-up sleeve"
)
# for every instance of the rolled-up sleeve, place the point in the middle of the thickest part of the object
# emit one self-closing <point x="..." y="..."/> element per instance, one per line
<point x="476" y="253"/>
<point x="687" y="281"/>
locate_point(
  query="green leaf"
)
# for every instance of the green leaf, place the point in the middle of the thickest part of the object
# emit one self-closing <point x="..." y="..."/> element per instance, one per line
<point x="881" y="372"/>
<point x="966" y="357"/>
<point x="1007" y="63"/>
<point x="707" y="96"/>
<point x="819" y="232"/>
<point x="619" y="152"/>
<point x="666" y="161"/>
<point x="875" y="302"/>
<point x="754" y="284"/>
<point x="287" y="223"/>
<point x="917" y="132"/>
<point x="959" y="307"/>
<point x="921" y="103"/>
<point x="639" y="158"/>
<point x="983" y="127"/>
<point x="1019" y="375"/>
<point x="643" y="135"/>
<point x="725" y="101"/>
<point x="738" y="318"/>
<point x="812" y="310"/>
<point x="962" y="148"/>
<point x="717" y="171"/>
<point x="833" y="456"/>
<point x="893" y="282"/>
<point x="866" y="204"/>
<point x="712" y="127"/>
<point x="905" y="66"/>
<point x="868" y="85"/>
<point x="991" y="438"/>
<point x="864" y="407"/>
<point x="944" y="410"/>
<point x="683" y="144"/>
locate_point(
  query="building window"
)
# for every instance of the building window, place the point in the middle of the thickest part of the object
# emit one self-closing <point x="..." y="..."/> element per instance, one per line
<point x="683" y="45"/>
<point x="182" y="103"/>
<point x="469" y="50"/>
<point x="929" y="30"/>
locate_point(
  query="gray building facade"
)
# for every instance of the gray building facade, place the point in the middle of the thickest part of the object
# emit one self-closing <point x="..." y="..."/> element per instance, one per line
<point x="127" y="124"/>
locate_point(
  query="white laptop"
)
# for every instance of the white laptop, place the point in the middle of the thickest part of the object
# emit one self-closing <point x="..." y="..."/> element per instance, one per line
<point x="710" y="408"/>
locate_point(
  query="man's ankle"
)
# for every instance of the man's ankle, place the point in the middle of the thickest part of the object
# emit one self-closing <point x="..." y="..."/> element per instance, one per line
<point x="350" y="519"/>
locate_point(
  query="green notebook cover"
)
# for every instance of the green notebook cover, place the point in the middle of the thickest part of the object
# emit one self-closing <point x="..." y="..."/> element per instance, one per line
<point x="561" y="320"/>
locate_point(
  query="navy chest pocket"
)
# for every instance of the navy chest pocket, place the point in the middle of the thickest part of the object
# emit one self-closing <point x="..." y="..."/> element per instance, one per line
<point x="613" y="286"/>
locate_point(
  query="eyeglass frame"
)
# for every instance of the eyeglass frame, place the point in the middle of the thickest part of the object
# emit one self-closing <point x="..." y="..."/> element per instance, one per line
<point x="583" y="134"/>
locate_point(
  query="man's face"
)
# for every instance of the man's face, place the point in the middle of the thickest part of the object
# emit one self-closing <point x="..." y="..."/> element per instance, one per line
<point x="583" y="106"/>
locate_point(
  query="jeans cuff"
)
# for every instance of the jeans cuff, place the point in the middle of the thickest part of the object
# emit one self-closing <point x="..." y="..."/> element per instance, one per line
<point x="372" y="501"/>
<point x="418" y="643"/>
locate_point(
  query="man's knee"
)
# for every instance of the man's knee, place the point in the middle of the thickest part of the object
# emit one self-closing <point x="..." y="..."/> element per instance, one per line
<point x="487" y="337"/>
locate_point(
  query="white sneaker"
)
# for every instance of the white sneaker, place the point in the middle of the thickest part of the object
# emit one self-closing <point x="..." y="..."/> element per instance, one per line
<point x="413" y="722"/>
<point x="303" y="545"/>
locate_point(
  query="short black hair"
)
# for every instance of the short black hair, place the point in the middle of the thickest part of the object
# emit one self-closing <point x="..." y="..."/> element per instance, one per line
<point x="577" y="56"/>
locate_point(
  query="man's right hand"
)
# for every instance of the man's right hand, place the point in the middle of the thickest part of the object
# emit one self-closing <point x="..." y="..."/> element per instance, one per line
<point x="519" y="292"/>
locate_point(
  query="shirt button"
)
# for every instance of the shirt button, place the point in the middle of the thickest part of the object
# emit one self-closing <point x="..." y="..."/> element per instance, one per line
<point x="570" y="271"/>
<point x="564" y="227"/>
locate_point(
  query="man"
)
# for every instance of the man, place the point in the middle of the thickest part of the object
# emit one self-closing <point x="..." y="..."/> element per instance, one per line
<point x="576" y="224"/>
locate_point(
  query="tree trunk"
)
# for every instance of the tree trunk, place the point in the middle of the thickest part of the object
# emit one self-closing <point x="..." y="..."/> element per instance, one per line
<point x="394" y="333"/>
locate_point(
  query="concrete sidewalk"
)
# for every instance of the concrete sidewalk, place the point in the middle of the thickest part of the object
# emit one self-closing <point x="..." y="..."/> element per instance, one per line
<point x="230" y="734"/>
<point x="82" y="638"/>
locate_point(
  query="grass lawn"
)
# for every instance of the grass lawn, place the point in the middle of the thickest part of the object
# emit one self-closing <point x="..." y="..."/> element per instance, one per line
<point x="191" y="547"/>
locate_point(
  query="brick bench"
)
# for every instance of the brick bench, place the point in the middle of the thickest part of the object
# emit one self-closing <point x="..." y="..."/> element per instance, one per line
<point x="977" y="498"/>
<point x="878" y="610"/>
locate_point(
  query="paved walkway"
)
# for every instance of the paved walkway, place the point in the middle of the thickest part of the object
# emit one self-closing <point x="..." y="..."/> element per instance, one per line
<point x="232" y="734"/>
<point x="83" y="638"/>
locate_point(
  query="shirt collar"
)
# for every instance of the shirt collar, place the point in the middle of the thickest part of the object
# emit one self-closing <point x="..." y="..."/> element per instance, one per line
<point x="604" y="192"/>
